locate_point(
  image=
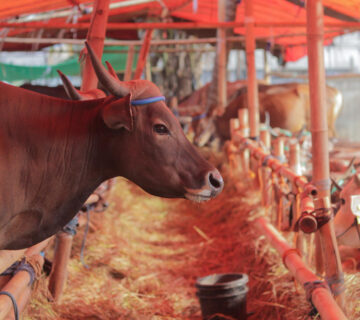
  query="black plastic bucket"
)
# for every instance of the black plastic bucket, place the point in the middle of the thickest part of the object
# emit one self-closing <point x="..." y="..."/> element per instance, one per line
<point x="223" y="296"/>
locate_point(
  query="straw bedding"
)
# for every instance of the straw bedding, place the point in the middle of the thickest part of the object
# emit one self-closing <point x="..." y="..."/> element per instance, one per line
<point x="144" y="260"/>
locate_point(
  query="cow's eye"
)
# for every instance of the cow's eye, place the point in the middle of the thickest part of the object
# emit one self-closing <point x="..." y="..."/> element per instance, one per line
<point x="161" y="129"/>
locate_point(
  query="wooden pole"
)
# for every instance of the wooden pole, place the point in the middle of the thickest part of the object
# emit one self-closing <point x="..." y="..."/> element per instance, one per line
<point x="221" y="61"/>
<point x="294" y="158"/>
<point x="319" y="130"/>
<point x="267" y="76"/>
<point x="58" y="274"/>
<point x="143" y="54"/>
<point x="22" y="302"/>
<point x="320" y="296"/>
<point x="129" y="63"/>
<point x="278" y="152"/>
<point x="275" y="164"/>
<point x="95" y="37"/>
<point x="243" y="116"/>
<point x="18" y="286"/>
<point x="337" y="26"/>
<point x="252" y="88"/>
<point x="265" y="172"/>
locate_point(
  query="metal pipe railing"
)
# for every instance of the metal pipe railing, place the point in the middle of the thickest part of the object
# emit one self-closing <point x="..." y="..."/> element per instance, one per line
<point x="316" y="290"/>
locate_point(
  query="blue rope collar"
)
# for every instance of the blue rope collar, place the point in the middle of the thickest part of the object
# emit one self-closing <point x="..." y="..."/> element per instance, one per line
<point x="147" y="100"/>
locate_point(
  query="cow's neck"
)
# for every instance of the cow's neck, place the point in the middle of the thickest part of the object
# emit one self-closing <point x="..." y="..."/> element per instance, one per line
<point x="47" y="164"/>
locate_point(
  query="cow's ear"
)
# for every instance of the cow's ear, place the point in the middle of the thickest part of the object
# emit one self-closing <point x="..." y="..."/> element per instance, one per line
<point x="118" y="114"/>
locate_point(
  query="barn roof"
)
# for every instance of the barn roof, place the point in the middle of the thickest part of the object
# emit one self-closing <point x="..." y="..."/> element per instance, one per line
<point x="280" y="22"/>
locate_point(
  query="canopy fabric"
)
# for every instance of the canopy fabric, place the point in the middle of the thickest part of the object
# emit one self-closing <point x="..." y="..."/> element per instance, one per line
<point x="292" y="40"/>
<point x="70" y="67"/>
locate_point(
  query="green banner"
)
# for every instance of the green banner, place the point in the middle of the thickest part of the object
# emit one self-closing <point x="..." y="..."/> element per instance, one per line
<point x="70" y="67"/>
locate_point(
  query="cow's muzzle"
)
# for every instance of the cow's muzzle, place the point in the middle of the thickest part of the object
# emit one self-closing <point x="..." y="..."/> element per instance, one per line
<point x="214" y="184"/>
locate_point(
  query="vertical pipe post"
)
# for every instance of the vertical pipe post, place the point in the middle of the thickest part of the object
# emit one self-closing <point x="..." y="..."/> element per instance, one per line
<point x="95" y="37"/>
<point x="19" y="287"/>
<point x="222" y="60"/>
<point x="144" y="51"/>
<point x="243" y="116"/>
<point x="252" y="88"/>
<point x="266" y="68"/>
<point x="129" y="63"/>
<point x="295" y="166"/>
<point x="279" y="153"/>
<point x="319" y="130"/>
<point x="265" y="172"/>
<point x="294" y="158"/>
<point x="58" y="275"/>
<point x="234" y="157"/>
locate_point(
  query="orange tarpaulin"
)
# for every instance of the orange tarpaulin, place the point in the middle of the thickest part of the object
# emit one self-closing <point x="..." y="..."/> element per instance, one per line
<point x="291" y="39"/>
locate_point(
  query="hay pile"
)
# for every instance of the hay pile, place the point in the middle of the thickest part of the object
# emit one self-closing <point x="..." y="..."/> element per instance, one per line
<point x="149" y="251"/>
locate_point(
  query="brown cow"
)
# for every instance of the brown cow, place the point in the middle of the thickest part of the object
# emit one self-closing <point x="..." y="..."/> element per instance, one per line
<point x="55" y="152"/>
<point x="288" y="106"/>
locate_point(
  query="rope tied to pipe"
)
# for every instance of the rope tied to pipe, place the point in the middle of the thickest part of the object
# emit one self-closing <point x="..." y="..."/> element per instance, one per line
<point x="23" y="265"/>
<point x="334" y="280"/>
<point x="28" y="264"/>
<point x="71" y="227"/>
<point x="85" y="236"/>
<point x="311" y="286"/>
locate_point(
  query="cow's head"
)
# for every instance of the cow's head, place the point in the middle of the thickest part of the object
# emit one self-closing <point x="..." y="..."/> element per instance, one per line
<point x="145" y="142"/>
<point x="346" y="229"/>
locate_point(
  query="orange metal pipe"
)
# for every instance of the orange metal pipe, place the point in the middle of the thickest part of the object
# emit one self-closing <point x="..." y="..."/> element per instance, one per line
<point x="95" y="37"/>
<point x="265" y="138"/>
<point x="221" y="59"/>
<point x="265" y="172"/>
<point x="22" y="302"/>
<point x="252" y="88"/>
<point x="294" y="158"/>
<point x="58" y="275"/>
<point x="275" y="164"/>
<point x="129" y="63"/>
<point x="319" y="130"/>
<point x="279" y="149"/>
<point x="143" y="54"/>
<point x="243" y="117"/>
<point x="320" y="297"/>
<point x="17" y="286"/>
<point x="172" y="25"/>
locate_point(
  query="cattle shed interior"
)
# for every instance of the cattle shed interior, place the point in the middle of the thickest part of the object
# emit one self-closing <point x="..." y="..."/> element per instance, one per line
<point x="180" y="159"/>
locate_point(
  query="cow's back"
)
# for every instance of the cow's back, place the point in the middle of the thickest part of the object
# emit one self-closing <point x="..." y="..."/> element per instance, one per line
<point x="41" y="140"/>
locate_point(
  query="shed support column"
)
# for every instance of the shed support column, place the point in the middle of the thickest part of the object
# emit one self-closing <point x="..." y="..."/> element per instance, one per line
<point x="95" y="37"/>
<point x="222" y="60"/>
<point x="252" y="88"/>
<point x="129" y="63"/>
<point x="319" y="130"/>
<point x="144" y="51"/>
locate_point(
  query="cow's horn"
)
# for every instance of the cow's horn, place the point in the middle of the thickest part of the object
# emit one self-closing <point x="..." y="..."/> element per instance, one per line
<point x="106" y="79"/>
<point x="70" y="90"/>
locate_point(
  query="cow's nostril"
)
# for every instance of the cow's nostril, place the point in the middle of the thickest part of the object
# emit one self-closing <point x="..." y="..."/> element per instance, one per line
<point x="216" y="180"/>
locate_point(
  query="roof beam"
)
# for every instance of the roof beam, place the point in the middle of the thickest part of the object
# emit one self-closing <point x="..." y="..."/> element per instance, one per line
<point x="327" y="11"/>
<point x="173" y="25"/>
